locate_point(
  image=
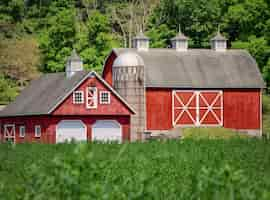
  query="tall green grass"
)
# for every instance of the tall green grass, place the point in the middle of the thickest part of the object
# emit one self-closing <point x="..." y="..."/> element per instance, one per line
<point x="183" y="169"/>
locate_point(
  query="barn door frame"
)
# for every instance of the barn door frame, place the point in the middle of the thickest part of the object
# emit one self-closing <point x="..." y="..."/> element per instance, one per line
<point x="7" y="134"/>
<point x="198" y="121"/>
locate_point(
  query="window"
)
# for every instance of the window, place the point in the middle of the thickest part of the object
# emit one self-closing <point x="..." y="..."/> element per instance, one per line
<point x="78" y="97"/>
<point x="37" y="131"/>
<point x="22" y="131"/>
<point x="104" y="97"/>
<point x="91" y="97"/>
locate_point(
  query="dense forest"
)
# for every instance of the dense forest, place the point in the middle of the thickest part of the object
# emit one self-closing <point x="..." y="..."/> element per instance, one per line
<point x="37" y="36"/>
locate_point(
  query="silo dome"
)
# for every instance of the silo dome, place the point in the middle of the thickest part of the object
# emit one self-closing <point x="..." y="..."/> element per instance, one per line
<point x="128" y="59"/>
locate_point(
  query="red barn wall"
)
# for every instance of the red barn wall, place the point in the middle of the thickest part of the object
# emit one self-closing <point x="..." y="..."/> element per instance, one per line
<point x="158" y="109"/>
<point x="242" y="109"/>
<point x="107" y="73"/>
<point x="48" y="126"/>
<point x="116" y="107"/>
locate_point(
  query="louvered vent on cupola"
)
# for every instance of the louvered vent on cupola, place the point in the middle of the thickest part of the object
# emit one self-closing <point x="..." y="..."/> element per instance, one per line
<point x="74" y="64"/>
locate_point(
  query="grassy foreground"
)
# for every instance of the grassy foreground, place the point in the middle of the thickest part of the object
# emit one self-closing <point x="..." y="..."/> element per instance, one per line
<point x="186" y="169"/>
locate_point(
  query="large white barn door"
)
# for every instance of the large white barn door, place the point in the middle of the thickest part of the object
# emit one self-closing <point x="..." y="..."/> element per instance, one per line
<point x="107" y="130"/>
<point x="197" y="108"/>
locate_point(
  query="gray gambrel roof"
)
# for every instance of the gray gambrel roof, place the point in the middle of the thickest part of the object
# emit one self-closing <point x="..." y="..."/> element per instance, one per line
<point x="199" y="68"/>
<point x="43" y="95"/>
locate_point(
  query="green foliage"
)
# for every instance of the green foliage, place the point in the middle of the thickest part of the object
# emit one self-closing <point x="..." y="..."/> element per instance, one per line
<point x="187" y="169"/>
<point x="266" y="114"/>
<point x="57" y="42"/>
<point x="8" y="90"/>
<point x="211" y="133"/>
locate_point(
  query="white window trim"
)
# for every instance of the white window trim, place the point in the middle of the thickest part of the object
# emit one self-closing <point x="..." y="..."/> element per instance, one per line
<point x="20" y="131"/>
<point x="74" y="97"/>
<point x="94" y="98"/>
<point x="100" y="97"/>
<point x="36" y="128"/>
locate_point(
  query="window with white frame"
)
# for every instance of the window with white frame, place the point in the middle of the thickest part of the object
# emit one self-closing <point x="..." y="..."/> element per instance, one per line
<point x="78" y="97"/>
<point x="37" y="130"/>
<point x="91" y="97"/>
<point x="22" y="131"/>
<point x="104" y="97"/>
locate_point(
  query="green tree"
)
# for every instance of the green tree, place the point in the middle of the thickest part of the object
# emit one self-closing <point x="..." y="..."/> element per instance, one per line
<point x="57" y="42"/>
<point x="8" y="90"/>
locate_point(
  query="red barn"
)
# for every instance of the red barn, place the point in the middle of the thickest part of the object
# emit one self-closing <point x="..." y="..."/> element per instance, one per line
<point x="61" y="106"/>
<point x="184" y="87"/>
<point x="141" y="90"/>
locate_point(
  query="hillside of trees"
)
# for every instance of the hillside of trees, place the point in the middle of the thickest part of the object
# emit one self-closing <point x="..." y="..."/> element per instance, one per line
<point x="37" y="36"/>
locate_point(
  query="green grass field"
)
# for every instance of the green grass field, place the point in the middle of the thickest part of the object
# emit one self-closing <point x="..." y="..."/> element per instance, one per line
<point x="186" y="169"/>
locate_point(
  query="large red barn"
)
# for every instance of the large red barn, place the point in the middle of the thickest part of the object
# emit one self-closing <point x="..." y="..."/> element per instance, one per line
<point x="141" y="90"/>
<point x="184" y="87"/>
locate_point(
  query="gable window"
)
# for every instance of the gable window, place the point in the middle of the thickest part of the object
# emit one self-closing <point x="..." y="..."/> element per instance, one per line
<point x="91" y="97"/>
<point x="37" y="130"/>
<point x="22" y="131"/>
<point x="104" y="97"/>
<point x="78" y="97"/>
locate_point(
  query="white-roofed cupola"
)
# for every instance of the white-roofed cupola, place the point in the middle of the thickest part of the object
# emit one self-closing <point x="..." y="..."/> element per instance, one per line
<point x="141" y="42"/>
<point x="219" y="42"/>
<point x="180" y="41"/>
<point x="74" y="64"/>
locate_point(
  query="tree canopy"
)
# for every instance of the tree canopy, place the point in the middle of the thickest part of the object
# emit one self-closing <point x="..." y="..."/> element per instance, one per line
<point x="46" y="31"/>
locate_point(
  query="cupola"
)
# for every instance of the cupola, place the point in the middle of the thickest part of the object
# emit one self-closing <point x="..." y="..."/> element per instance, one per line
<point x="219" y="42"/>
<point x="74" y="64"/>
<point x="141" y="42"/>
<point x="180" y="41"/>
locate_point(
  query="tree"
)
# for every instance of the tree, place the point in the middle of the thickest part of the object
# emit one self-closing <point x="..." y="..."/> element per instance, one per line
<point x="20" y="59"/>
<point x="57" y="42"/>
<point x="8" y="90"/>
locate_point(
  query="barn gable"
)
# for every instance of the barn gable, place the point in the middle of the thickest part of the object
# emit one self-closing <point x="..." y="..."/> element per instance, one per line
<point x="92" y="103"/>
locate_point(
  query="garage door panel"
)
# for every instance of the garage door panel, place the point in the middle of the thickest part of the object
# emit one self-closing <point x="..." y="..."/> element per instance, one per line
<point x="107" y="130"/>
<point x="68" y="130"/>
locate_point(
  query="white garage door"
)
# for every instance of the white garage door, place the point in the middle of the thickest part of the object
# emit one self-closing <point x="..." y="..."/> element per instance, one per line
<point x="67" y="130"/>
<point x="107" y="130"/>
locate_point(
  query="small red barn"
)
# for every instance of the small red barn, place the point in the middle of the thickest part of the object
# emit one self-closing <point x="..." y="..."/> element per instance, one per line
<point x="76" y="105"/>
<point x="184" y="87"/>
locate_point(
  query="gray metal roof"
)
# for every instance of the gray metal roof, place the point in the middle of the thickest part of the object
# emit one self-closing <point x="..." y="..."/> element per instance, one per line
<point x="43" y="95"/>
<point x="180" y="36"/>
<point x="74" y="56"/>
<point x="199" y="68"/>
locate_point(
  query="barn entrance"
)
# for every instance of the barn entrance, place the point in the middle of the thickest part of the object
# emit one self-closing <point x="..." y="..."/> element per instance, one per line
<point x="197" y="108"/>
<point x="9" y="133"/>
<point x="67" y="130"/>
<point x="107" y="130"/>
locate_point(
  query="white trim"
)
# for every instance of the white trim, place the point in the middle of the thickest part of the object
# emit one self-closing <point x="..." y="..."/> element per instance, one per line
<point x="100" y="97"/>
<point x="36" y="128"/>
<point x="93" y="98"/>
<point x="82" y="97"/>
<point x="22" y="127"/>
<point x="8" y="136"/>
<point x="209" y="107"/>
<point x="70" y="120"/>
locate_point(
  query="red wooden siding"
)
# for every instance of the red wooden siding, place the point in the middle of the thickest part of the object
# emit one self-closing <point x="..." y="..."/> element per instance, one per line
<point x="48" y="125"/>
<point x="116" y="107"/>
<point x="159" y="109"/>
<point x="107" y="73"/>
<point x="242" y="109"/>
